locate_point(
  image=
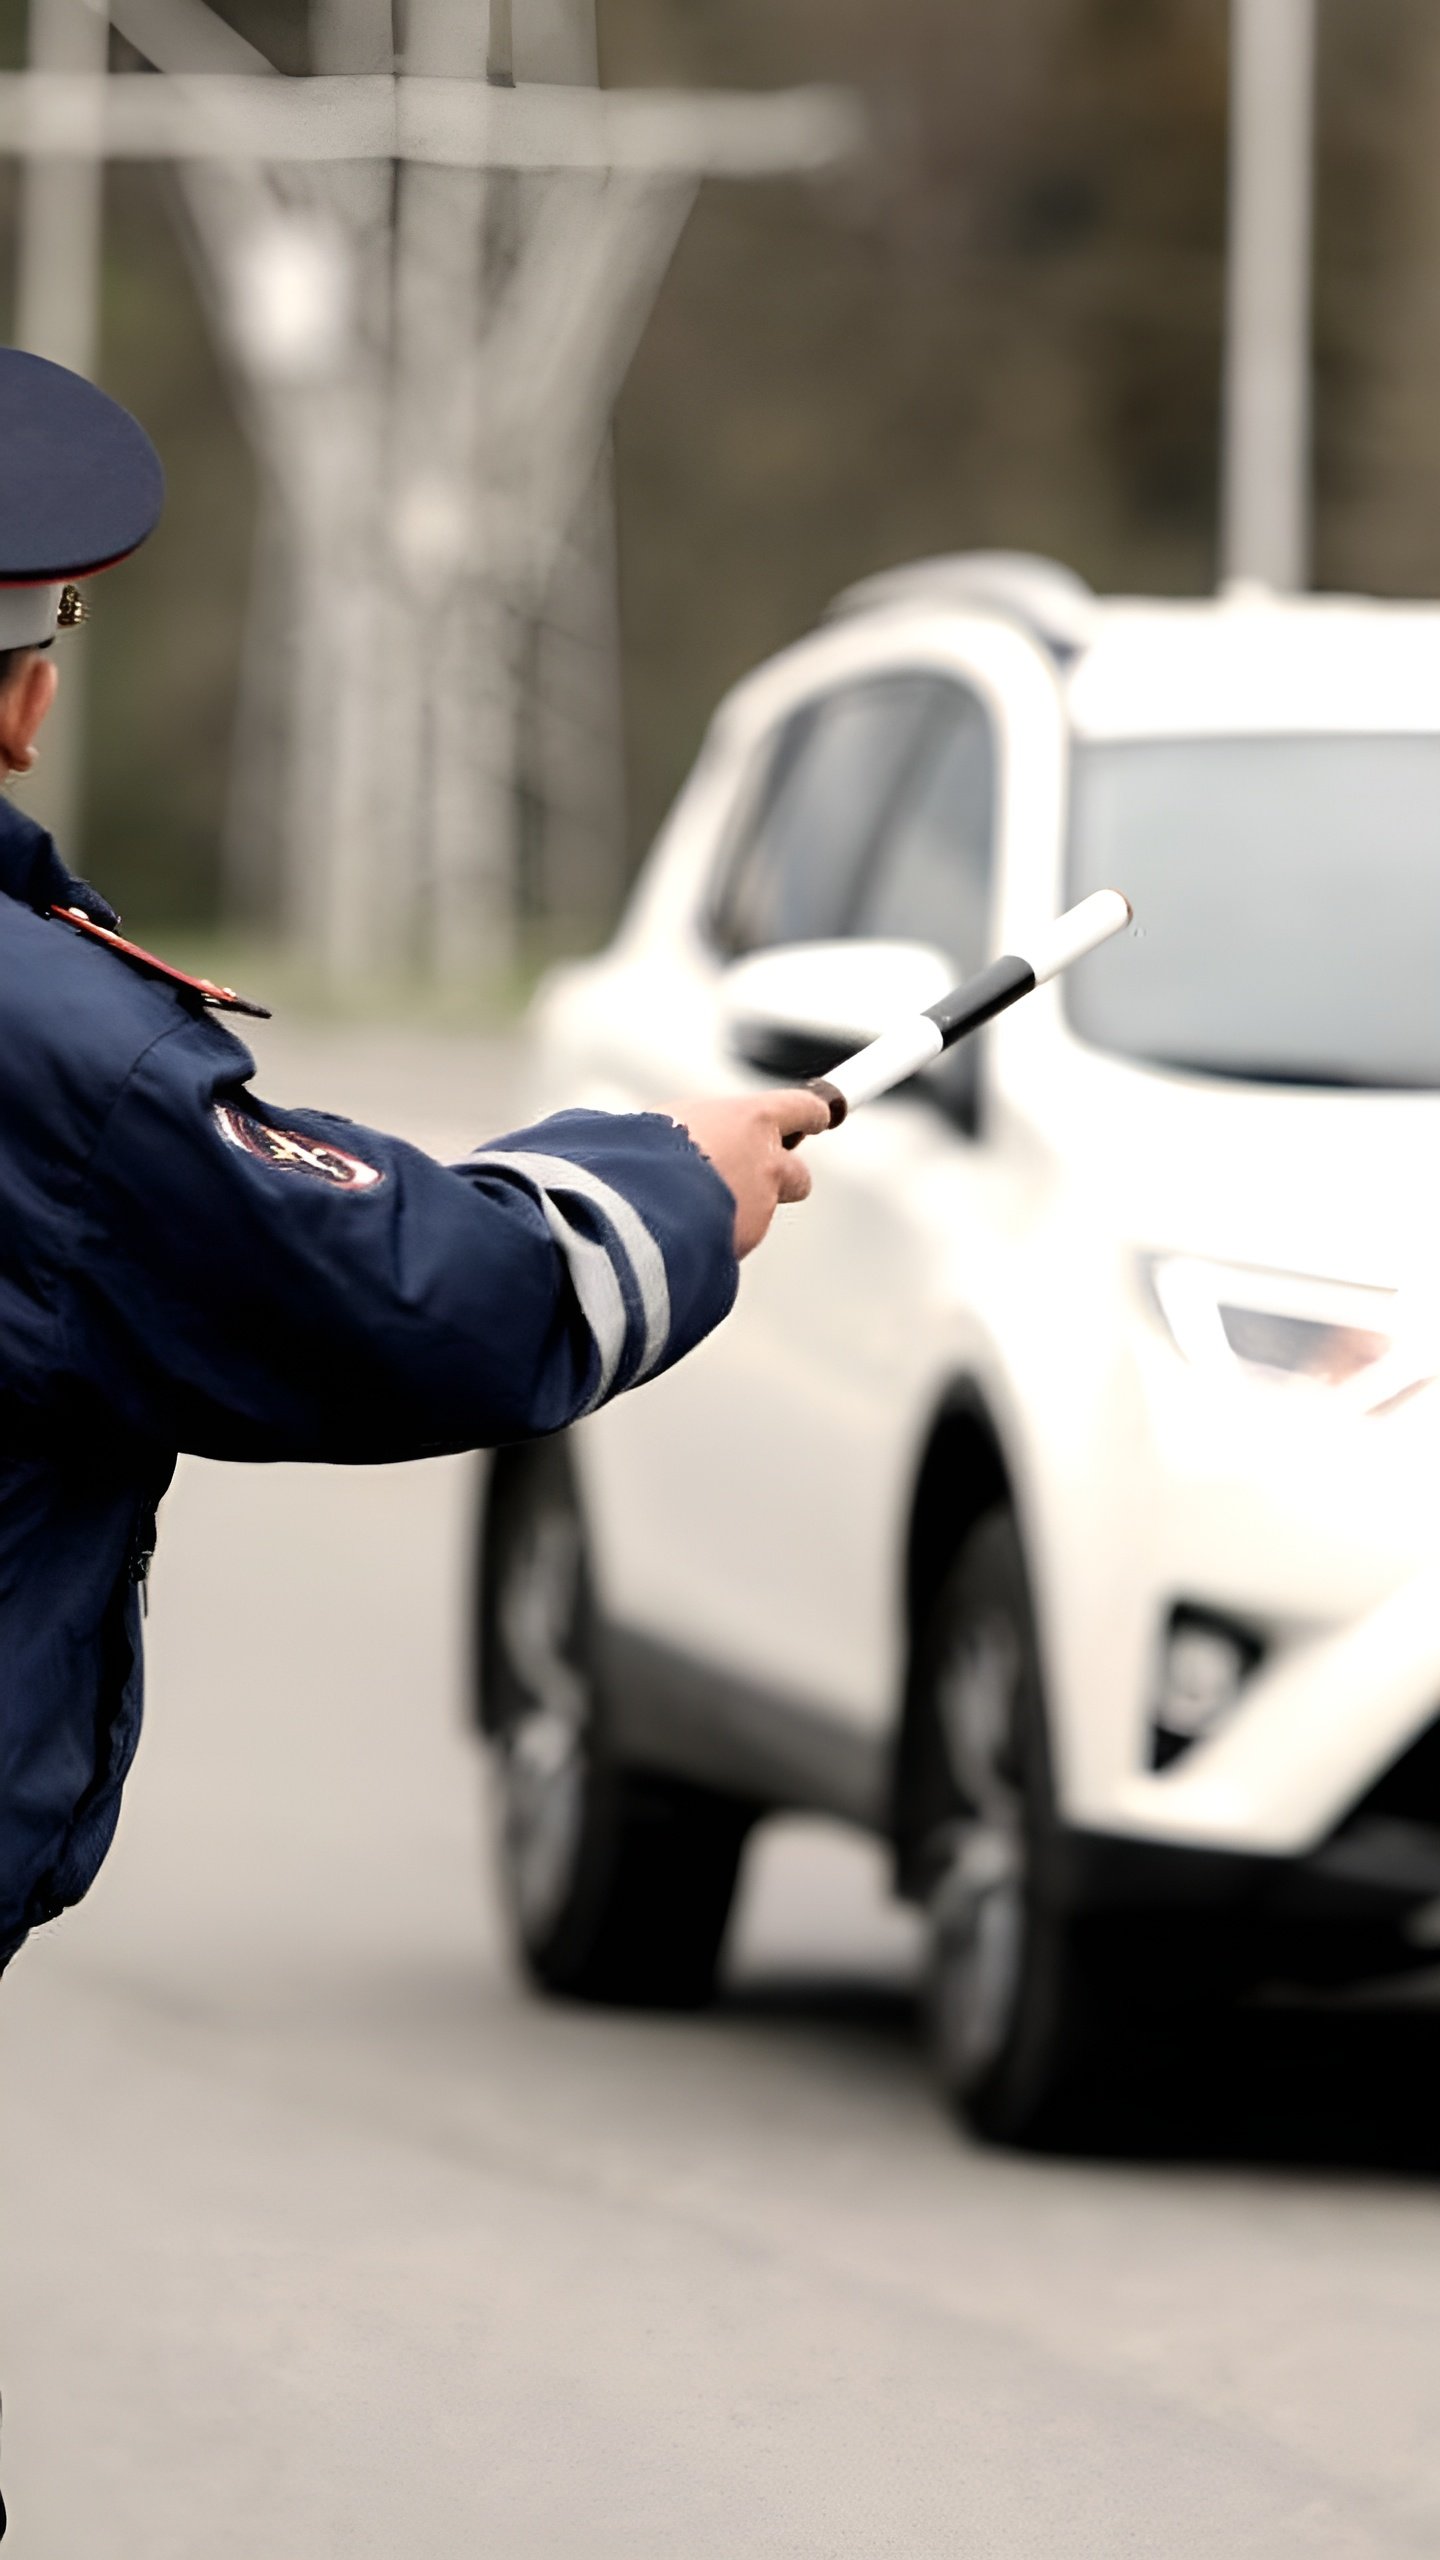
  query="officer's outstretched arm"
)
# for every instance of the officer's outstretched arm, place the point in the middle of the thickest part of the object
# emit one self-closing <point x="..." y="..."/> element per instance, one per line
<point x="269" y="1283"/>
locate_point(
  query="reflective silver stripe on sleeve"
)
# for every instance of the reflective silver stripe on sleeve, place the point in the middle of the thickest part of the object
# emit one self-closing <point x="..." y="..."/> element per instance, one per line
<point x="556" y="1175"/>
<point x="601" y="1301"/>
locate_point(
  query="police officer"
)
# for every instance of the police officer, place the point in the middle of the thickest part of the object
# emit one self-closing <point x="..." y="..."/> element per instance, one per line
<point x="183" y="1266"/>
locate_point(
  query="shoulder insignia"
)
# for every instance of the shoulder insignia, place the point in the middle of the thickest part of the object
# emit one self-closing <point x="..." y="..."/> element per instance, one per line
<point x="295" y="1151"/>
<point x="223" y="999"/>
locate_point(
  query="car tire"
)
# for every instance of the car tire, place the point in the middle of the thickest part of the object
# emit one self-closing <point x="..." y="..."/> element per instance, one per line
<point x="1023" y="1997"/>
<point x="617" y="1881"/>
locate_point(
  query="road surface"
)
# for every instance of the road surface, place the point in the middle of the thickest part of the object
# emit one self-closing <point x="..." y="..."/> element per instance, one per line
<point x="319" y="2237"/>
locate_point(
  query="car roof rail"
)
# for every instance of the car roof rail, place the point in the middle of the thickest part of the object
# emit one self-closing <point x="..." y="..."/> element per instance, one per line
<point x="1051" y="602"/>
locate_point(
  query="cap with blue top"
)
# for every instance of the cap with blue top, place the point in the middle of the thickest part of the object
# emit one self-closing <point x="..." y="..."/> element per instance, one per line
<point x="80" y="488"/>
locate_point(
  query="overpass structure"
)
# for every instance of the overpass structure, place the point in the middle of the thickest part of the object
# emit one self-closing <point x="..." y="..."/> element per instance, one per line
<point x="428" y="268"/>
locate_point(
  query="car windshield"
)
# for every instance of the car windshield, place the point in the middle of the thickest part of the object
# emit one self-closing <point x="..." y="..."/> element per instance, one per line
<point x="1287" y="894"/>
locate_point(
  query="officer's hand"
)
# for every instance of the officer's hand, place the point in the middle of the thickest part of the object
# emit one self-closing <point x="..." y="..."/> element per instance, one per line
<point x="744" y="1140"/>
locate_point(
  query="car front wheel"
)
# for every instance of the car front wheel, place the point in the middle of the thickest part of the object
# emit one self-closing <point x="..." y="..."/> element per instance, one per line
<point x="618" y="1881"/>
<point x="1023" y="1999"/>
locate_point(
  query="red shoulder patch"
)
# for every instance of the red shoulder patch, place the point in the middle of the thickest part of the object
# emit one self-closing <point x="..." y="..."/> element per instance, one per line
<point x="224" y="999"/>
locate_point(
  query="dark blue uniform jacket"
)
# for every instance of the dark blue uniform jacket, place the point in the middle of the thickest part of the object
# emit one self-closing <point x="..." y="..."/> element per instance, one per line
<point x="183" y="1266"/>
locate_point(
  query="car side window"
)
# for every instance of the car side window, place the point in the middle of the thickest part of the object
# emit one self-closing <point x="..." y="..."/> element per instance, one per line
<point x="834" y="776"/>
<point x="931" y="879"/>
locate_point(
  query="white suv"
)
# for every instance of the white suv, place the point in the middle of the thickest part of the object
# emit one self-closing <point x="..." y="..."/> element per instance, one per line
<point x="1087" y="1398"/>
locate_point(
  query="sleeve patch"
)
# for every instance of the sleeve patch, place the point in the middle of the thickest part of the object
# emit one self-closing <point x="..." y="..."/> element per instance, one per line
<point x="295" y="1151"/>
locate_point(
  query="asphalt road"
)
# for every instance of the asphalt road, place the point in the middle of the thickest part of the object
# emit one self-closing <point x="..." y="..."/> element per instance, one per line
<point x="319" y="2237"/>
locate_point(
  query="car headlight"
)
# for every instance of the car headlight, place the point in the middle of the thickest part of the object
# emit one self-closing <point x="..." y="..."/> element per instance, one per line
<point x="1294" y="1331"/>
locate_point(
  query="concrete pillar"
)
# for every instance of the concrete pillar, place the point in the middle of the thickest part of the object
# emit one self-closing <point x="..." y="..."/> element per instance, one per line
<point x="57" y="314"/>
<point x="1265" y="489"/>
<point x="574" y="757"/>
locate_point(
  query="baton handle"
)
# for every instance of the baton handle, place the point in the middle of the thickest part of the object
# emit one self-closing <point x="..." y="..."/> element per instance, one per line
<point x="921" y="1038"/>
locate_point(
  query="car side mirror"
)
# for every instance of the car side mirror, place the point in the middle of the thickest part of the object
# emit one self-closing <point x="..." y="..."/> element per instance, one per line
<point x="797" y="1010"/>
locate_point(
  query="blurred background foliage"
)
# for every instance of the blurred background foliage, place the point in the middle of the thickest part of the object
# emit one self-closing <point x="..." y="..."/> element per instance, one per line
<point x="1005" y="329"/>
<point x="1008" y="330"/>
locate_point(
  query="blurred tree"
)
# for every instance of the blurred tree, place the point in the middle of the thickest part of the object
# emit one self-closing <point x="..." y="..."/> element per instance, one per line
<point x="1377" y="328"/>
<point x="1009" y="331"/>
<point x="1006" y="329"/>
<point x="166" y="632"/>
<point x="1005" y="332"/>
<point x="164" y="641"/>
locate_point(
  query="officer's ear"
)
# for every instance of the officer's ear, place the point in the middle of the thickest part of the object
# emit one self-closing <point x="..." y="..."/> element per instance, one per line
<point x="26" y="693"/>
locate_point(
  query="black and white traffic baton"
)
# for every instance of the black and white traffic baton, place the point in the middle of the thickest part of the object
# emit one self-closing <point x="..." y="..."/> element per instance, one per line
<point x="921" y="1038"/>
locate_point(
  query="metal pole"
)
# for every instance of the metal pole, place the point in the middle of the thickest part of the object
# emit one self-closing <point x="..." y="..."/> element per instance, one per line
<point x="1265" y="492"/>
<point x="57" y="307"/>
<point x="500" y="46"/>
